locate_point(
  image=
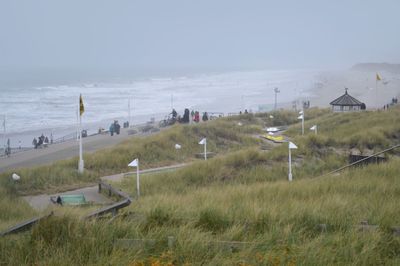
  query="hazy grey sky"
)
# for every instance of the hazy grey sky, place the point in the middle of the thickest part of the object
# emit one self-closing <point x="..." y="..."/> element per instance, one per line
<point x="197" y="34"/>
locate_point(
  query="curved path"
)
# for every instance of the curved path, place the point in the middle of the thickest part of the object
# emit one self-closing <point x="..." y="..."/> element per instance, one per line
<point x="42" y="201"/>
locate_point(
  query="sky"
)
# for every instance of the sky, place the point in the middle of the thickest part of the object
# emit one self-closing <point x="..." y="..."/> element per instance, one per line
<point x="203" y="34"/>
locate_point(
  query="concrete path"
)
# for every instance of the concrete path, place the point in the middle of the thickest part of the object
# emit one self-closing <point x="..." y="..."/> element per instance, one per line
<point x="41" y="202"/>
<point x="62" y="151"/>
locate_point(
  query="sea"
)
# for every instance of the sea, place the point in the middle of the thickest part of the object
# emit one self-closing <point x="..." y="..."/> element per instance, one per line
<point x="51" y="107"/>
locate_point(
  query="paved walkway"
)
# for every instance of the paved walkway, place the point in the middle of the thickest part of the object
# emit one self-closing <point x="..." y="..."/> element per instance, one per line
<point x="41" y="202"/>
<point x="62" y="151"/>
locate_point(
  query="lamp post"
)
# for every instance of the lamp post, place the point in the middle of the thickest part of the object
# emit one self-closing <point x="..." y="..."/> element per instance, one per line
<point x="276" y="90"/>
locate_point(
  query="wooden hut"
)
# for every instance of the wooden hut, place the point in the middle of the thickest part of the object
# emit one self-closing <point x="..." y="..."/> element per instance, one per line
<point x="347" y="103"/>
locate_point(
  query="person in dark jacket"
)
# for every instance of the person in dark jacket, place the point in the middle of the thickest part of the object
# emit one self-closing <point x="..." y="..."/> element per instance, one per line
<point x="205" y="116"/>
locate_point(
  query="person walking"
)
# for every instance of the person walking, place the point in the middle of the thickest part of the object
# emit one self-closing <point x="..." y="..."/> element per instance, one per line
<point x="35" y="143"/>
<point x="112" y="127"/>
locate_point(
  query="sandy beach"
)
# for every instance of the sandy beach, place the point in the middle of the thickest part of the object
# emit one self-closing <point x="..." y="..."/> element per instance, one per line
<point x="361" y="85"/>
<point x="329" y="86"/>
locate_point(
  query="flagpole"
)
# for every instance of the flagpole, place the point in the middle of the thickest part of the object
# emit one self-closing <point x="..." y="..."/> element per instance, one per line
<point x="81" y="163"/>
<point x="290" y="177"/>
<point x="129" y="112"/>
<point x="205" y="149"/>
<point x="316" y="129"/>
<point x="77" y="122"/>
<point x="376" y="92"/>
<point x="4" y="134"/>
<point x="137" y="179"/>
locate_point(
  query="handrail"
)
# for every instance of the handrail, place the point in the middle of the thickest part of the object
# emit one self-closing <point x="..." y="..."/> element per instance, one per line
<point x="359" y="161"/>
<point x="24" y="225"/>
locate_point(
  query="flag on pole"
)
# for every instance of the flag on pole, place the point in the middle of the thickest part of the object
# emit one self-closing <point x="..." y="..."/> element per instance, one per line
<point x="292" y="145"/>
<point x="81" y="106"/>
<point x="300" y="117"/>
<point x="301" y="112"/>
<point x="378" y="77"/>
<point x="177" y="146"/>
<point x="313" y="127"/>
<point x="203" y="141"/>
<point x="134" y="163"/>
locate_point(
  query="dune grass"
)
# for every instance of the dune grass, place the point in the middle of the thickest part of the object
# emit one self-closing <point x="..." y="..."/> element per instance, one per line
<point x="278" y="221"/>
<point x="241" y="195"/>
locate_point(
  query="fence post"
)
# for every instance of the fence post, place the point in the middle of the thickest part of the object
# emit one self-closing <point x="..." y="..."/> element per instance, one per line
<point x="171" y="242"/>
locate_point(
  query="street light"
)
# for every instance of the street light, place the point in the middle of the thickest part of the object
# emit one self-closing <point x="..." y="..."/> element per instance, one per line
<point x="276" y="90"/>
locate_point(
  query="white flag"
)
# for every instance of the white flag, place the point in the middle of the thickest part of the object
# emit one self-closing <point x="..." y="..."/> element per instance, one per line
<point x="203" y="141"/>
<point x="178" y="147"/>
<point x="301" y="112"/>
<point x="271" y="116"/>
<point x="292" y="145"/>
<point x="134" y="163"/>
<point x="313" y="127"/>
<point x="300" y="117"/>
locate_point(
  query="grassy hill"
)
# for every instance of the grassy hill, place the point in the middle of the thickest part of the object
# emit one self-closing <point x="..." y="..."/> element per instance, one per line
<point x="241" y="196"/>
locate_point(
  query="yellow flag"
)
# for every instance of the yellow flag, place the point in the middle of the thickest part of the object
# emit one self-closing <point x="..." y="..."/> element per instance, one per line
<point x="81" y="106"/>
<point x="378" y="77"/>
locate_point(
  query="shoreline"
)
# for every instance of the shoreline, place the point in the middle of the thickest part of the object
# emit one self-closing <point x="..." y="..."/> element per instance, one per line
<point x="328" y="86"/>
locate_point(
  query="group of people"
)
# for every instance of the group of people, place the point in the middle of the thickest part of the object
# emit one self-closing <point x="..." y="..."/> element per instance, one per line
<point x="115" y="127"/>
<point x="195" y="115"/>
<point x="187" y="117"/>
<point x="42" y="140"/>
<point x="394" y="101"/>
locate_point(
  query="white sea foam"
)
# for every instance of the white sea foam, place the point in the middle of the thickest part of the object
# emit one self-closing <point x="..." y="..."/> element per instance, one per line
<point x="56" y="106"/>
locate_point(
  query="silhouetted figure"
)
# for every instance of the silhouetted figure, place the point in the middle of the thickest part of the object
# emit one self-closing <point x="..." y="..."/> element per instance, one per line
<point x="117" y="127"/>
<point x="35" y="143"/>
<point x="205" y="116"/>
<point x="174" y="114"/>
<point x="185" y="118"/>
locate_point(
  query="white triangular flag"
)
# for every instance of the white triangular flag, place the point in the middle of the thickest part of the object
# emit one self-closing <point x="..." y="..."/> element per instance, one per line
<point x="15" y="177"/>
<point x="313" y="127"/>
<point x="271" y="116"/>
<point x="301" y="112"/>
<point x="178" y="147"/>
<point x="203" y="141"/>
<point x="292" y="145"/>
<point x="134" y="163"/>
<point x="300" y="117"/>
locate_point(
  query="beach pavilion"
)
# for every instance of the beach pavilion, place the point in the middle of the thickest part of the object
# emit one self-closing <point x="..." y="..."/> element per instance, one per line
<point x="347" y="103"/>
